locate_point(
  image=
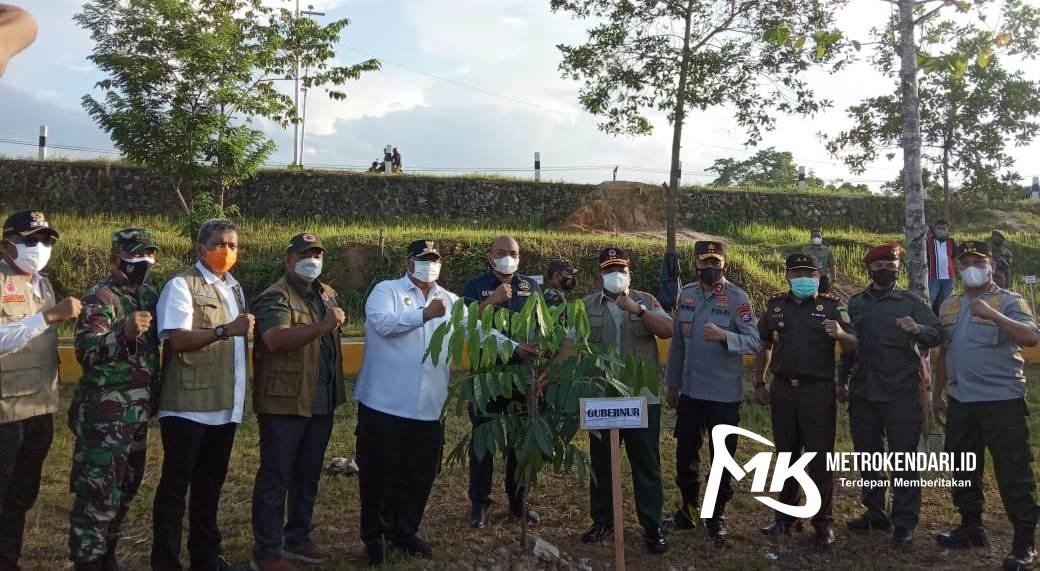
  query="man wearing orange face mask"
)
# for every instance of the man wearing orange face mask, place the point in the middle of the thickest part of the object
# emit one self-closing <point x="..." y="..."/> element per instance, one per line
<point x="203" y="325"/>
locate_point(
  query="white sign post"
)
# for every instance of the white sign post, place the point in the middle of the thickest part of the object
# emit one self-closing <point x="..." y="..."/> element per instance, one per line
<point x="1031" y="282"/>
<point x="615" y="414"/>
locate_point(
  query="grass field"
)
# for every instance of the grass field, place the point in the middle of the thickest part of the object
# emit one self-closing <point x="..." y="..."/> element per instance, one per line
<point x="561" y="500"/>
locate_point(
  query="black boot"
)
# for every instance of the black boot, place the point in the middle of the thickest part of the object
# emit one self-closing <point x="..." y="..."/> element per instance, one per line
<point x="867" y="523"/>
<point x="969" y="533"/>
<point x="778" y="528"/>
<point x="716" y="527"/>
<point x="597" y="533"/>
<point x="1023" y="550"/>
<point x="824" y="537"/>
<point x="655" y="541"/>
<point x="478" y="515"/>
<point x="681" y="519"/>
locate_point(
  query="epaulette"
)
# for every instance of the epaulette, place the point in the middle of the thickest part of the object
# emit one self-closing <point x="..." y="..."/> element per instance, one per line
<point x="828" y="295"/>
<point x="777" y="295"/>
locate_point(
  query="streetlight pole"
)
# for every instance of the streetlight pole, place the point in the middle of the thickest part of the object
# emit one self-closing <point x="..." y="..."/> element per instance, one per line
<point x="298" y="127"/>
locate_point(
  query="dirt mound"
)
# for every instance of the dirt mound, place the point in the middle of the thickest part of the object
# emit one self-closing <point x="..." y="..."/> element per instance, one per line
<point x="619" y="207"/>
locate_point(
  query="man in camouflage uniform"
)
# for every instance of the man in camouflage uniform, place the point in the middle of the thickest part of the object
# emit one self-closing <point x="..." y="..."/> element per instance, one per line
<point x="119" y="352"/>
<point x="1002" y="259"/>
<point x="559" y="280"/>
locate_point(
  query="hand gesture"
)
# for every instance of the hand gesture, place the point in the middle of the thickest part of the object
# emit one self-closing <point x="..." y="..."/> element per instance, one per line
<point x="832" y="328"/>
<point x="843" y="394"/>
<point x="762" y="395"/>
<point x="137" y="324"/>
<point x="65" y="310"/>
<point x="502" y="294"/>
<point x="939" y="409"/>
<point x="983" y="310"/>
<point x="628" y="304"/>
<point x="907" y="323"/>
<point x="713" y="332"/>
<point x="334" y="317"/>
<point x="242" y="326"/>
<point x="672" y="398"/>
<point x="434" y="309"/>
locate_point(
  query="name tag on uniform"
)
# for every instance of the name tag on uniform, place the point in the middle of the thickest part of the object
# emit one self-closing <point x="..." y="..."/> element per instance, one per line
<point x="13" y="299"/>
<point x="523" y="293"/>
<point x="722" y="301"/>
<point x="486" y="293"/>
<point x="204" y="293"/>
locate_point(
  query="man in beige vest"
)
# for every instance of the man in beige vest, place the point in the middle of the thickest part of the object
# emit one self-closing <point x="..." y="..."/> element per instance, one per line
<point x="203" y="325"/>
<point x="28" y="371"/>
<point x="297" y="385"/>
<point x="628" y="321"/>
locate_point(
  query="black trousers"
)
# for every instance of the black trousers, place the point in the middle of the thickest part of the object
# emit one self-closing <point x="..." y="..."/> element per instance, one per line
<point x="695" y="418"/>
<point x="1001" y="427"/>
<point x="642" y="445"/>
<point x="24" y="445"/>
<point x="292" y="454"/>
<point x="803" y="420"/>
<point x="398" y="459"/>
<point x="195" y="456"/>
<point x="482" y="470"/>
<point x="899" y="422"/>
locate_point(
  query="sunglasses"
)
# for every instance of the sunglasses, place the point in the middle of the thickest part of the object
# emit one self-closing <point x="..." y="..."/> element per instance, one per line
<point x="32" y="241"/>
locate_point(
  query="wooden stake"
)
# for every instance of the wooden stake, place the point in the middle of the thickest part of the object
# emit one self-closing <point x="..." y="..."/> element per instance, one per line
<point x="615" y="484"/>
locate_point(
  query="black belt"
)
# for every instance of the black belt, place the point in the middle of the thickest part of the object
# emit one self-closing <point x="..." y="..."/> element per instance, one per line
<point x="801" y="380"/>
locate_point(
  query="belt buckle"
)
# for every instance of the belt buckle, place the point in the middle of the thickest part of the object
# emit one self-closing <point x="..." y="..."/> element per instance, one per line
<point x="795" y="382"/>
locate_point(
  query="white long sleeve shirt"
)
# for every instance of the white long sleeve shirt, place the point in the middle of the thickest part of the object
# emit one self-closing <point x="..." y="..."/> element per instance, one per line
<point x="394" y="379"/>
<point x="18" y="334"/>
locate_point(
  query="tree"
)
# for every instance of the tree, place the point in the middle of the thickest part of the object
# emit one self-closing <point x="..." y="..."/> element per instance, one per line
<point x="670" y="56"/>
<point x="187" y="78"/>
<point x="971" y="106"/>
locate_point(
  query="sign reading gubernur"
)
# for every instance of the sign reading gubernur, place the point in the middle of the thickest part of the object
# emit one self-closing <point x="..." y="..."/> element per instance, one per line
<point x="607" y="413"/>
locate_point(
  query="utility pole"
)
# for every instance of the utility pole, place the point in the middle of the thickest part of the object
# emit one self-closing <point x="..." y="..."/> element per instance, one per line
<point x="298" y="126"/>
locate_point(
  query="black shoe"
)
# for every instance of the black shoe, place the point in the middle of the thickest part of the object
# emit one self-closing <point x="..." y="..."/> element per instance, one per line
<point x="867" y="523"/>
<point x="517" y="511"/>
<point x="776" y="529"/>
<point x="415" y="547"/>
<point x="655" y="541"/>
<point x="681" y="520"/>
<point x="963" y="537"/>
<point x="376" y="553"/>
<point x="824" y="537"/>
<point x="1021" y="558"/>
<point x="597" y="533"/>
<point x="902" y="536"/>
<point x="716" y="527"/>
<point x="478" y="515"/>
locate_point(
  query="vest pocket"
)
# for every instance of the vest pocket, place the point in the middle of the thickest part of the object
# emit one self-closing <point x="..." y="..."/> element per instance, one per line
<point x="595" y="328"/>
<point x="285" y="379"/>
<point x="209" y="313"/>
<point x="983" y="332"/>
<point x="197" y="369"/>
<point x="20" y="375"/>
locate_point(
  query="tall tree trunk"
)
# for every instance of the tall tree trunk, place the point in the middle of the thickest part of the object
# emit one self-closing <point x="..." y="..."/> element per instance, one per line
<point x="180" y="195"/>
<point x="672" y="204"/>
<point x="946" y="182"/>
<point x="916" y="228"/>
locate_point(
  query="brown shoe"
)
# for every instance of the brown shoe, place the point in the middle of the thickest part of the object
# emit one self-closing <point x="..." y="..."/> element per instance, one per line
<point x="274" y="564"/>
<point x="308" y="553"/>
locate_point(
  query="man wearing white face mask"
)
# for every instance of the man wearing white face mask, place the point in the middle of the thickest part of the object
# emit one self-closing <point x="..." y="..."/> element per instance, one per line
<point x="297" y="385"/>
<point x="984" y="329"/>
<point x="823" y="257"/>
<point x="500" y="286"/>
<point x="28" y="371"/>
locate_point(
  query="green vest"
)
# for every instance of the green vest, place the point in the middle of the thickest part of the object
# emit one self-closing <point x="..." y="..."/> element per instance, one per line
<point x="28" y="376"/>
<point x="203" y="380"/>
<point x="284" y="383"/>
<point x="635" y="338"/>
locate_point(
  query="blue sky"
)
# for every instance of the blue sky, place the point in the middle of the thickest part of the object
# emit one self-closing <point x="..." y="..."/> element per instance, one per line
<point x="503" y="46"/>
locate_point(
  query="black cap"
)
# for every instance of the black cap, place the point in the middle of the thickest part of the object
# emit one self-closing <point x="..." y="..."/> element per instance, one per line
<point x="26" y="222"/>
<point x="611" y="256"/>
<point x="800" y="262"/>
<point x="704" y="249"/>
<point x="303" y="242"/>
<point x="976" y="247"/>
<point x="421" y="248"/>
<point x="561" y="265"/>
<point x="133" y="240"/>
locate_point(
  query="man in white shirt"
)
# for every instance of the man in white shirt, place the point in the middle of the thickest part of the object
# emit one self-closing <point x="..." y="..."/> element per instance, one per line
<point x="941" y="277"/>
<point x="203" y="325"/>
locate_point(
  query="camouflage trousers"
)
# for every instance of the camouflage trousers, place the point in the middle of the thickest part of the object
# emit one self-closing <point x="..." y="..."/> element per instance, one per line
<point x="107" y="467"/>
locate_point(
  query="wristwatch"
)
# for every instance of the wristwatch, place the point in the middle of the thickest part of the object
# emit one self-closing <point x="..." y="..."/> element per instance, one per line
<point x="221" y="332"/>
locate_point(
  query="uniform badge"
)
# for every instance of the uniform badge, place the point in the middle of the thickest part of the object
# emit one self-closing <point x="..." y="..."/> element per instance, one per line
<point x="844" y="313"/>
<point x="722" y="301"/>
<point x="819" y="307"/>
<point x="688" y="300"/>
<point x="12" y="299"/>
<point x="523" y="284"/>
<point x="408" y="301"/>
<point x="10" y="288"/>
<point x="309" y="238"/>
<point x="744" y="311"/>
<point x="777" y="309"/>
<point x="719" y="287"/>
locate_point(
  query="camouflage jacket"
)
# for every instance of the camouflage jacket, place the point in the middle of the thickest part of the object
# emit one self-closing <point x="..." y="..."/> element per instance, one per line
<point x="117" y="376"/>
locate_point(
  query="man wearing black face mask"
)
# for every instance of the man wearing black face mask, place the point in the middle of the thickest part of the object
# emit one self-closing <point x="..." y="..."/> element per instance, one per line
<point x="884" y="402"/>
<point x="559" y="280"/>
<point x="117" y="347"/>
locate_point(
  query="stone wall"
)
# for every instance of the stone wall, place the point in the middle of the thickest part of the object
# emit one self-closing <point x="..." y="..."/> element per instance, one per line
<point x="101" y="187"/>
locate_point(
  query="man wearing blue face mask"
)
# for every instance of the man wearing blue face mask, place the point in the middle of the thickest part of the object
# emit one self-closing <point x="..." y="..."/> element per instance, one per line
<point x="298" y="383"/>
<point x="798" y="331"/>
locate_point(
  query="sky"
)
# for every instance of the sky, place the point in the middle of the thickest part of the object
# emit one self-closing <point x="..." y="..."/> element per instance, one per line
<point x="466" y="86"/>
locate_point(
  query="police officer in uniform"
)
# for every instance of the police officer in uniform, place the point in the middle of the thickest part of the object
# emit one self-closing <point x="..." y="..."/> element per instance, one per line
<point x="501" y="286"/>
<point x="984" y="330"/>
<point x="884" y="402"/>
<point x="714" y="329"/>
<point x="559" y="280"/>
<point x="628" y="321"/>
<point x="798" y="332"/>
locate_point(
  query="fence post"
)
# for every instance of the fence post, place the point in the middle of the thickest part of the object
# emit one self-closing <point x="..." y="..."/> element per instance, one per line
<point x="801" y="179"/>
<point x="537" y="166"/>
<point x="42" y="154"/>
<point x="615" y="173"/>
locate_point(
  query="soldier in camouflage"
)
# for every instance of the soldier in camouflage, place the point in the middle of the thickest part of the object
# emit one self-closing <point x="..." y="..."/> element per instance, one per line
<point x="558" y="281"/>
<point x="117" y="347"/>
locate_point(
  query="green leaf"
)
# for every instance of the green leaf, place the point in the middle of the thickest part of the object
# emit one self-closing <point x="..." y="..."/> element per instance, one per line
<point x="502" y="320"/>
<point x="487" y="319"/>
<point x="799" y="42"/>
<point x="457" y="346"/>
<point x="474" y="318"/>
<point x="437" y="343"/>
<point x="982" y="60"/>
<point x="490" y="353"/>
<point x="821" y="51"/>
<point x="960" y="66"/>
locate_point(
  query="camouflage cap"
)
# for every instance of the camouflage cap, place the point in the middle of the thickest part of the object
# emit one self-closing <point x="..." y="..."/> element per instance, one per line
<point x="133" y="240"/>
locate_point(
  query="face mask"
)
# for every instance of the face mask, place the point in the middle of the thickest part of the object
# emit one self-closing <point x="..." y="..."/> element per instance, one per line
<point x="308" y="268"/>
<point x="616" y="282"/>
<point x="136" y="269"/>
<point x="709" y="276"/>
<point x="884" y="278"/>
<point x="567" y="284"/>
<point x="804" y="288"/>
<point x="975" y="277"/>
<point x="220" y="260"/>
<point x="817" y="241"/>
<point x="507" y="265"/>
<point x="941" y="235"/>
<point x="427" y="271"/>
<point x="32" y="259"/>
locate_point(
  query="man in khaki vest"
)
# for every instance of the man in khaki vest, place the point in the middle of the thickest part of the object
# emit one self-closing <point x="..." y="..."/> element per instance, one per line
<point x="203" y="325"/>
<point x="297" y="385"/>
<point x="28" y="371"/>
<point x="628" y="321"/>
